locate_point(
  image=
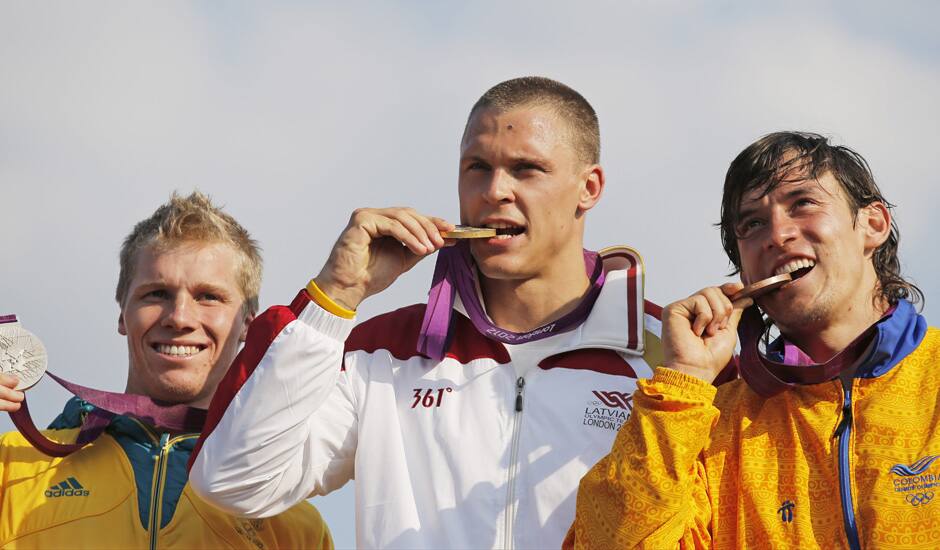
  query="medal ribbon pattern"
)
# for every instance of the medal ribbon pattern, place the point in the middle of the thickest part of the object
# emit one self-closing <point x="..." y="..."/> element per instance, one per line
<point x="456" y="274"/>
<point x="171" y="417"/>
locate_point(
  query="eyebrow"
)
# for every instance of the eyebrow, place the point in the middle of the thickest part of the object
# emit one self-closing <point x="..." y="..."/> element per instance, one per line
<point x="473" y="158"/>
<point x="200" y="287"/>
<point x="802" y="190"/>
<point x="515" y="159"/>
<point x="213" y="289"/>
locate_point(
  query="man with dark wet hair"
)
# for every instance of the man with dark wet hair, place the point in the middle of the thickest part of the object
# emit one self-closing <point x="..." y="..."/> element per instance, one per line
<point x="828" y="439"/>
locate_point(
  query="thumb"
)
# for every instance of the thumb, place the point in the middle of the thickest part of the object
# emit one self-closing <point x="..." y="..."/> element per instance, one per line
<point x="737" y="312"/>
<point x="9" y="380"/>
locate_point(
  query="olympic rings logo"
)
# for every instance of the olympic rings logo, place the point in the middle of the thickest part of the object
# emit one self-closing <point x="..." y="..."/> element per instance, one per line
<point x="916" y="499"/>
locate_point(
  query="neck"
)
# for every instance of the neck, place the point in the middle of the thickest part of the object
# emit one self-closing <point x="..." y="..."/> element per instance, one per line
<point x="521" y="305"/>
<point x="822" y="344"/>
<point x="198" y="402"/>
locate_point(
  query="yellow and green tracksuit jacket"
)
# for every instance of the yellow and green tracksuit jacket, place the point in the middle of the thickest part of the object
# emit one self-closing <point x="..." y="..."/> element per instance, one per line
<point x="819" y="466"/>
<point x="128" y="489"/>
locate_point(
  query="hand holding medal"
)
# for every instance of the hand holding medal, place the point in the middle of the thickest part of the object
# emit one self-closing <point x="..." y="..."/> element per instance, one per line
<point x="22" y="354"/>
<point x="700" y="332"/>
<point x="378" y="245"/>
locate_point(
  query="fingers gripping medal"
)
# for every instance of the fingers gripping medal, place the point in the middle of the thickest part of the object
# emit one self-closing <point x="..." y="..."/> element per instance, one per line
<point x="21" y="353"/>
<point x="467" y="232"/>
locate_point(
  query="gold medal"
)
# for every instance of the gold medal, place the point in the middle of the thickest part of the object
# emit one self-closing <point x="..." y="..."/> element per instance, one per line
<point x="467" y="232"/>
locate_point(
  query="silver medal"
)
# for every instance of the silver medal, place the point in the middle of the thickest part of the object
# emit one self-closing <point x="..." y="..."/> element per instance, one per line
<point x="21" y="354"/>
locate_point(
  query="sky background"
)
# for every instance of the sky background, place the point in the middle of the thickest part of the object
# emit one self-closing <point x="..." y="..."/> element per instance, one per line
<point x="292" y="114"/>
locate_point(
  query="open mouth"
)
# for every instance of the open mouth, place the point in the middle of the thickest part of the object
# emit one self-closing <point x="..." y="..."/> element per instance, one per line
<point x="179" y="351"/>
<point x="506" y="230"/>
<point x="796" y="268"/>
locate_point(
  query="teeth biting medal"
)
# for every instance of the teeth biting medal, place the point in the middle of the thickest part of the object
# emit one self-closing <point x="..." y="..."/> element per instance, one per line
<point x="758" y="289"/>
<point x="468" y="232"/>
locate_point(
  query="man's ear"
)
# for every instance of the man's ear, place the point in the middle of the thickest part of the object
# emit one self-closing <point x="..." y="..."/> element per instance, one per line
<point x="244" y="335"/>
<point x="592" y="186"/>
<point x="875" y="222"/>
<point x="122" y="329"/>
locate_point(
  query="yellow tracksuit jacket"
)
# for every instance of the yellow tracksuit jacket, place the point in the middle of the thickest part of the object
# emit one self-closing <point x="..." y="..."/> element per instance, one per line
<point x="811" y="467"/>
<point x="128" y="489"/>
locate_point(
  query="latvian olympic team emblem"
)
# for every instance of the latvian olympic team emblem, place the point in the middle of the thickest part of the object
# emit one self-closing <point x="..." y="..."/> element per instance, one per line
<point x="609" y="410"/>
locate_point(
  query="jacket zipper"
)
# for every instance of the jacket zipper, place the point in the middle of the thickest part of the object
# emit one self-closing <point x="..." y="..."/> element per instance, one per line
<point x="156" y="490"/>
<point x="163" y="448"/>
<point x="844" y="435"/>
<point x="513" y="459"/>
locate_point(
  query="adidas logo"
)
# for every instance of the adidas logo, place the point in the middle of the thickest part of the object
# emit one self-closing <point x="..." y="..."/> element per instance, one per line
<point x="68" y="488"/>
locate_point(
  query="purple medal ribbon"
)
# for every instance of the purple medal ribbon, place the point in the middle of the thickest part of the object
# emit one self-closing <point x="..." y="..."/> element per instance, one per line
<point x="455" y="273"/>
<point x="171" y="417"/>
<point x="768" y="377"/>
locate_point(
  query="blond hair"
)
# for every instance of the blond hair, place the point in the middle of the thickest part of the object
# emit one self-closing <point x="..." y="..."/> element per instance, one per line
<point x="193" y="219"/>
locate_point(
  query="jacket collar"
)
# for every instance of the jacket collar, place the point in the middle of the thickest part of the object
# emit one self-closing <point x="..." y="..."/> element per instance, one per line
<point x="76" y="409"/>
<point x="896" y="335"/>
<point x="608" y="324"/>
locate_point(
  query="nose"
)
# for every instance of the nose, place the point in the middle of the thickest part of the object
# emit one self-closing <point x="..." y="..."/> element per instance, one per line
<point x="782" y="229"/>
<point x="499" y="189"/>
<point x="180" y="313"/>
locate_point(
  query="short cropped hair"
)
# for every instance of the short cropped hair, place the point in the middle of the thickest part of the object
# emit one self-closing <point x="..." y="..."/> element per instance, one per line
<point x="571" y="106"/>
<point x="783" y="157"/>
<point x="193" y="219"/>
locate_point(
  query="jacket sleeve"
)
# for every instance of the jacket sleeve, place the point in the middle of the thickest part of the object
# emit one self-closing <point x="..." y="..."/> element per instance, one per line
<point x="282" y="424"/>
<point x="651" y="491"/>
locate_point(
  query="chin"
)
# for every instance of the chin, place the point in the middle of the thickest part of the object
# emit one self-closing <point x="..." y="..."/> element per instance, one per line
<point x="501" y="266"/>
<point x="177" y="391"/>
<point x="799" y="317"/>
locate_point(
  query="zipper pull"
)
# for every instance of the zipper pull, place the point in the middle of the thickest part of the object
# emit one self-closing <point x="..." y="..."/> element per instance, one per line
<point x="846" y="420"/>
<point x="520" y="385"/>
<point x="846" y="408"/>
<point x="158" y="447"/>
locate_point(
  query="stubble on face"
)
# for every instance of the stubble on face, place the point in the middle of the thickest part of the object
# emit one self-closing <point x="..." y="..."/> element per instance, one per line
<point x="812" y="218"/>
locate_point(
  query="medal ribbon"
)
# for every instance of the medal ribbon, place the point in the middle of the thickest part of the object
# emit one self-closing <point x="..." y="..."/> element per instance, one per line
<point x="456" y="274"/>
<point x="172" y="417"/>
<point x="768" y="377"/>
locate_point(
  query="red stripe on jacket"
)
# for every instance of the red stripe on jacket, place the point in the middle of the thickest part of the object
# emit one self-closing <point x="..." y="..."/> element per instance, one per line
<point x="604" y="361"/>
<point x="261" y="333"/>
<point x="397" y="332"/>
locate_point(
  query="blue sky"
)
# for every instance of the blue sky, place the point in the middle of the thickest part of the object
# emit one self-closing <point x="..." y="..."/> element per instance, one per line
<point x="292" y="114"/>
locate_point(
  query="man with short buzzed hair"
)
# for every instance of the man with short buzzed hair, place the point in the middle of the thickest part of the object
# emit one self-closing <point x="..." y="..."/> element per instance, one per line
<point x="829" y="440"/>
<point x="466" y="422"/>
<point x="188" y="287"/>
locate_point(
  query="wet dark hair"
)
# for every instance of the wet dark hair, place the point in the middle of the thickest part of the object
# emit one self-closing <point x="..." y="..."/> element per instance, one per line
<point x="571" y="106"/>
<point x="783" y="157"/>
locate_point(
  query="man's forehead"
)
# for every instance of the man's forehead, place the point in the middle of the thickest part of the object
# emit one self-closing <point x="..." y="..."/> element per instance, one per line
<point x="789" y="185"/>
<point x="531" y="129"/>
<point x="215" y="256"/>
<point x="537" y="119"/>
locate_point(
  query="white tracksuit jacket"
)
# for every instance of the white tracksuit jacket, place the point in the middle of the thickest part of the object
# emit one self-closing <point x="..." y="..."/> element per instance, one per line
<point x="461" y="453"/>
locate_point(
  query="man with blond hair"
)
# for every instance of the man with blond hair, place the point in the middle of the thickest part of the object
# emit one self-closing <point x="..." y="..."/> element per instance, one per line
<point x="188" y="287"/>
